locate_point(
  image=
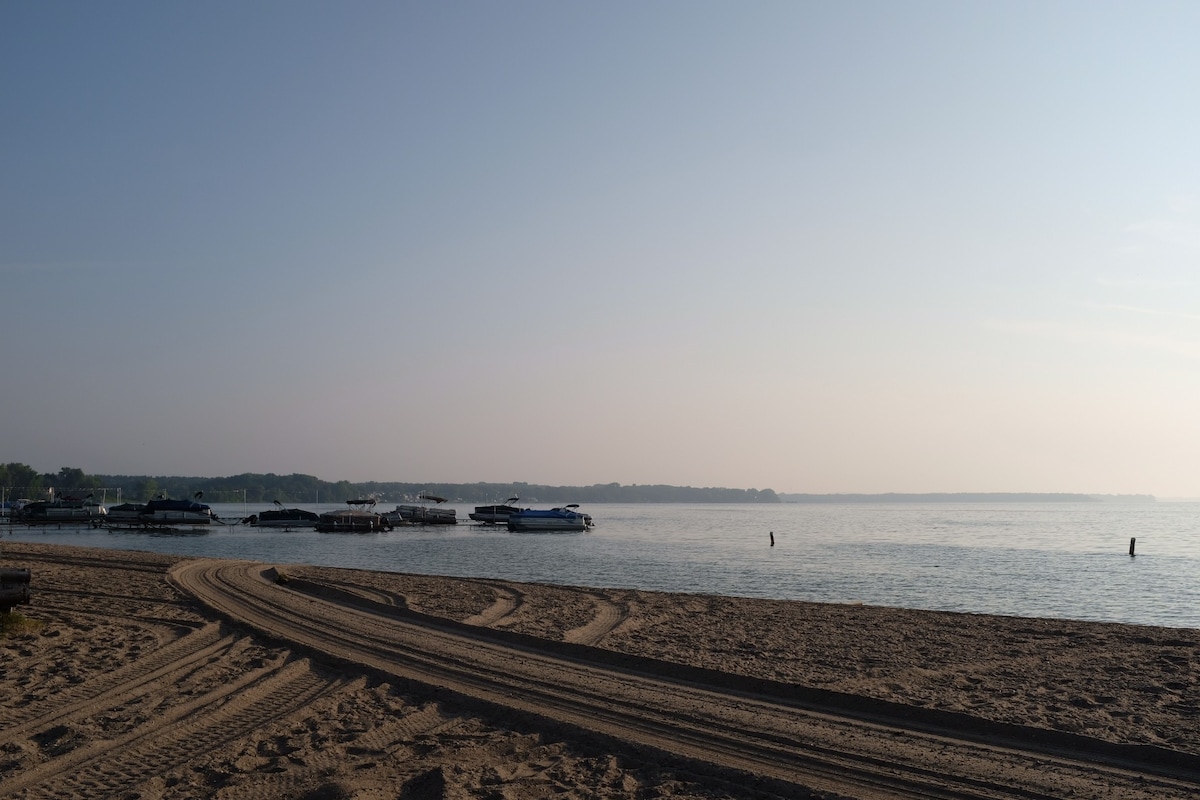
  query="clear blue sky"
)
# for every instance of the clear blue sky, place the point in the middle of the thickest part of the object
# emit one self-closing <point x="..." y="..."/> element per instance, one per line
<point x="811" y="246"/>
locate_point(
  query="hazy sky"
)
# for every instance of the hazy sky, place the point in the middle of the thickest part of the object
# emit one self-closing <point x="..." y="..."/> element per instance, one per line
<point x="811" y="246"/>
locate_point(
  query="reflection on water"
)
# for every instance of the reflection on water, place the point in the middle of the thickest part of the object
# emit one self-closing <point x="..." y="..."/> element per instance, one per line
<point x="1057" y="560"/>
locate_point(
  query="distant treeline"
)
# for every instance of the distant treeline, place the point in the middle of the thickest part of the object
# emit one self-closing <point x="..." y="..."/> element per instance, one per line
<point x="21" y="481"/>
<point x="967" y="497"/>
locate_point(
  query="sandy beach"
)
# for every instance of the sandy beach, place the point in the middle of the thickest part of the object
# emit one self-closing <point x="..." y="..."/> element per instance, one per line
<point x="139" y="679"/>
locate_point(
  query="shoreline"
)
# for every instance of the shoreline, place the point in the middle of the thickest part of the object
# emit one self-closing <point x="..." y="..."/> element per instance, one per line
<point x="105" y="610"/>
<point x="1048" y="563"/>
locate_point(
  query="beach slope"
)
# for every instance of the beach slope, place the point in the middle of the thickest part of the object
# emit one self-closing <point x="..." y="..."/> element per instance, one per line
<point x="151" y="676"/>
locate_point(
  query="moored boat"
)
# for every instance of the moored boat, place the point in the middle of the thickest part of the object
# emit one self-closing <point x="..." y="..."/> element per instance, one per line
<point x="166" y="511"/>
<point x="62" y="510"/>
<point x="356" y="518"/>
<point x="12" y="508"/>
<point x="125" y="514"/>
<point x="495" y="514"/>
<point x="564" y="519"/>
<point x="419" y="514"/>
<point x="280" y="517"/>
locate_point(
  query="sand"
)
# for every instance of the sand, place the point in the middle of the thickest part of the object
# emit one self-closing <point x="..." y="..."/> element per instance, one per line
<point x="130" y="687"/>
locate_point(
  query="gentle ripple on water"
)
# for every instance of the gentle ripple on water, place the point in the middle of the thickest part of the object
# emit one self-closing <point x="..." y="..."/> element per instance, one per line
<point x="1029" y="559"/>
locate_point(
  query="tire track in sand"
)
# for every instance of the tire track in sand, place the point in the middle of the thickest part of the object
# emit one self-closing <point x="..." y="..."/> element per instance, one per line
<point x="507" y="601"/>
<point x="381" y="596"/>
<point x="510" y="600"/>
<point x="110" y="689"/>
<point x="382" y="741"/>
<point x="171" y="739"/>
<point x="796" y="740"/>
<point x="608" y="616"/>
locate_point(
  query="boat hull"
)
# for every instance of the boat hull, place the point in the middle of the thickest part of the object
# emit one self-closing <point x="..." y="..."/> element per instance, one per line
<point x="122" y="516"/>
<point x="555" y="520"/>
<point x="352" y="522"/>
<point x="175" y="512"/>
<point x="493" y="515"/>
<point x="176" y="517"/>
<point x="425" y="515"/>
<point x="50" y="512"/>
<point x="287" y="518"/>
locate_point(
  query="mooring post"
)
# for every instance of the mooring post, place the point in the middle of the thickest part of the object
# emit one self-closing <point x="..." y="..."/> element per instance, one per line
<point x="772" y="538"/>
<point x="1132" y="541"/>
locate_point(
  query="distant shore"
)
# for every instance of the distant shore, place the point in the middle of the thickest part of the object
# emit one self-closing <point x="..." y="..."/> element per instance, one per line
<point x="968" y="497"/>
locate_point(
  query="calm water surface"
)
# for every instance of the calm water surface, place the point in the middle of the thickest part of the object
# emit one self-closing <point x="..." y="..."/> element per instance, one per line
<point x="1036" y="559"/>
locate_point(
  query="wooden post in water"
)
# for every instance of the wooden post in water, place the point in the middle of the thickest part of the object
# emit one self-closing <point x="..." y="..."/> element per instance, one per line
<point x="772" y="538"/>
<point x="1131" y="544"/>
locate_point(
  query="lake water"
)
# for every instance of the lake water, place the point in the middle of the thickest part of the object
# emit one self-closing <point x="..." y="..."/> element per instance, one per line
<point x="1068" y="560"/>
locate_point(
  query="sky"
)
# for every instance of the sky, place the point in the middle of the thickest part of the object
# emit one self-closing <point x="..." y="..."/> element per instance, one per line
<point x="808" y="246"/>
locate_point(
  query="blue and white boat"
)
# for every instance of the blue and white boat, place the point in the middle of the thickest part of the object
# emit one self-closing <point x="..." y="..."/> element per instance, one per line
<point x="565" y="519"/>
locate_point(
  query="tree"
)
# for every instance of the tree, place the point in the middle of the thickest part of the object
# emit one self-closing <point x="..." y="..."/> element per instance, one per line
<point x="21" y="478"/>
<point x="69" y="480"/>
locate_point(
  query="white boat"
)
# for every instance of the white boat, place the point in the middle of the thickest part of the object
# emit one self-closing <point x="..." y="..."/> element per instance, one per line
<point x="565" y="519"/>
<point x="496" y="514"/>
